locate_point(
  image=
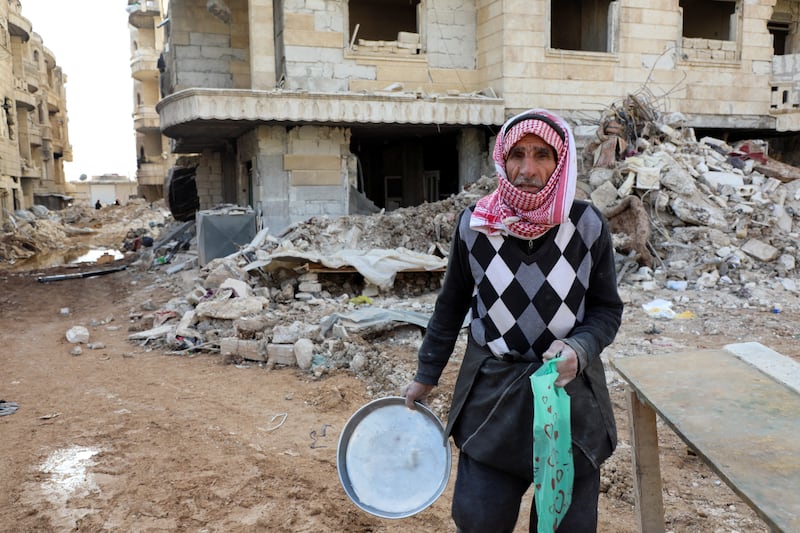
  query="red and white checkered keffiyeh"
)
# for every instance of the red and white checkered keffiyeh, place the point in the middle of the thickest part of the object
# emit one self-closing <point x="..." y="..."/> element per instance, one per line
<point x="511" y="211"/>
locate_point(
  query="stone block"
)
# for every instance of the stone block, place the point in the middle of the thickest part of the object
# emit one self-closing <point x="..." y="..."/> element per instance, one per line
<point x="716" y="179"/>
<point x="604" y="196"/>
<point x="760" y="250"/>
<point x="281" y="354"/>
<point x="316" y="177"/>
<point x="648" y="178"/>
<point x="252" y="350"/>
<point x="310" y="286"/>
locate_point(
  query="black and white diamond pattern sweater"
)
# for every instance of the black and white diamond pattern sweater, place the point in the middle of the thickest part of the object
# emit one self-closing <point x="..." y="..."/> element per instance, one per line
<point x="522" y="295"/>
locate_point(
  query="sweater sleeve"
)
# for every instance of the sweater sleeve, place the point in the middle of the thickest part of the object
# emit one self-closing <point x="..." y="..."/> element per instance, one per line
<point x="451" y="307"/>
<point x="603" y="311"/>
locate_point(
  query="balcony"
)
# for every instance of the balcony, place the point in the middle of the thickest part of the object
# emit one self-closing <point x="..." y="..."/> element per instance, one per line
<point x="27" y="170"/>
<point x="34" y="135"/>
<point x="152" y="173"/>
<point x="19" y="26"/>
<point x="53" y="103"/>
<point x="785" y="91"/>
<point x="142" y="13"/>
<point x="199" y="118"/>
<point x="22" y="96"/>
<point x="145" y="118"/>
<point x="144" y="64"/>
<point x="32" y="76"/>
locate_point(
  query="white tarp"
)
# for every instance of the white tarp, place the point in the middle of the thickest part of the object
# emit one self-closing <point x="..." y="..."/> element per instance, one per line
<point x="378" y="266"/>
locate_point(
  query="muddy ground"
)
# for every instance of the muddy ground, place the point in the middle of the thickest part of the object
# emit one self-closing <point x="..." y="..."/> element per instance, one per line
<point x="131" y="437"/>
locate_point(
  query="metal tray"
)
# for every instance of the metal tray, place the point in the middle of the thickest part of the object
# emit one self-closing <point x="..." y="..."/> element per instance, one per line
<point x="393" y="461"/>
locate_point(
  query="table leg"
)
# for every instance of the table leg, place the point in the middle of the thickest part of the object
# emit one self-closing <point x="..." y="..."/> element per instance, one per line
<point x="646" y="467"/>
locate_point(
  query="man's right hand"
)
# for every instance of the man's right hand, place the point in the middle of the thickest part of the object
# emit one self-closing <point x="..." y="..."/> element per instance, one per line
<point x="415" y="391"/>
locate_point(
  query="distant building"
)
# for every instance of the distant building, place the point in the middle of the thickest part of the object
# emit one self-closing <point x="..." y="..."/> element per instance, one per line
<point x="106" y="189"/>
<point x="301" y="108"/>
<point x="153" y="155"/>
<point x="34" y="140"/>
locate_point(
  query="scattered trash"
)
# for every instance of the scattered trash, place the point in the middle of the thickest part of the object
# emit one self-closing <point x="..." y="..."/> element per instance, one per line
<point x="659" y="309"/>
<point x="8" y="408"/>
<point x="675" y="285"/>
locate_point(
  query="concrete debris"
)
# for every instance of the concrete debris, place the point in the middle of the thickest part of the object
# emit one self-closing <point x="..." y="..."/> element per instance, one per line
<point x="686" y="215"/>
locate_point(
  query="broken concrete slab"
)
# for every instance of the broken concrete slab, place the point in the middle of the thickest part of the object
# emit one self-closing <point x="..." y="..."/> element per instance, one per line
<point x="760" y="250"/>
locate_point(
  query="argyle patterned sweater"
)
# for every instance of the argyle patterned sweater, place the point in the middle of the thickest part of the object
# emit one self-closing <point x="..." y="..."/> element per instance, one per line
<point x="521" y="295"/>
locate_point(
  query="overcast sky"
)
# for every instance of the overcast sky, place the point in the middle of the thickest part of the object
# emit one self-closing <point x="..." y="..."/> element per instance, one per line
<point x="91" y="43"/>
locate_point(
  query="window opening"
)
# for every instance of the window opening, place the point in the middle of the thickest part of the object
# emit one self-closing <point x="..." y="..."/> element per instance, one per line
<point x="405" y="171"/>
<point x="580" y="25"/>
<point x="382" y="21"/>
<point x="780" y="33"/>
<point x="709" y="20"/>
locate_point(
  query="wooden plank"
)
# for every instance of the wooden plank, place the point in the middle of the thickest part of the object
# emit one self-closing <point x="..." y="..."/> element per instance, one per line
<point x="646" y="467"/>
<point x="742" y="423"/>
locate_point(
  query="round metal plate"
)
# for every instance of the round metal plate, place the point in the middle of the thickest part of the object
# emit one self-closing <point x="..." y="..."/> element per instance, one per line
<point x="393" y="461"/>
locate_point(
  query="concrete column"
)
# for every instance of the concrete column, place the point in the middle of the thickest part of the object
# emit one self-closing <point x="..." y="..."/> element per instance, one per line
<point x="471" y="155"/>
<point x="262" y="44"/>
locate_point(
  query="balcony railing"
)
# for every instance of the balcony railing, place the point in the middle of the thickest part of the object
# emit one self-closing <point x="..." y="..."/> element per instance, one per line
<point x="142" y="5"/>
<point x="785" y="87"/>
<point x="144" y="63"/>
<point x="145" y="118"/>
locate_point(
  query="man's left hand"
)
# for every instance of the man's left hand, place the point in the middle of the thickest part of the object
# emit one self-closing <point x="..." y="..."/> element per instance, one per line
<point x="568" y="363"/>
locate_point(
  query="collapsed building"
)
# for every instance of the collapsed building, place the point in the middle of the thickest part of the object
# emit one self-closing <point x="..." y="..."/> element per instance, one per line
<point x="34" y="139"/>
<point x="686" y="214"/>
<point x="302" y="109"/>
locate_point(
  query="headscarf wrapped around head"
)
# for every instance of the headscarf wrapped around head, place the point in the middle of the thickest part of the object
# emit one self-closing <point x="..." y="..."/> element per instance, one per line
<point x="512" y="211"/>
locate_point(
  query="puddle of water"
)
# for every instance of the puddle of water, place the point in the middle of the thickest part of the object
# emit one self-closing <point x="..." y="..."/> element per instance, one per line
<point x="69" y="257"/>
<point x="67" y="469"/>
<point x="68" y="476"/>
<point x="93" y="255"/>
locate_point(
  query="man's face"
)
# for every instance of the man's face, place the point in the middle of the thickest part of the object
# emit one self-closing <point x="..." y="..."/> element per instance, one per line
<point x="530" y="163"/>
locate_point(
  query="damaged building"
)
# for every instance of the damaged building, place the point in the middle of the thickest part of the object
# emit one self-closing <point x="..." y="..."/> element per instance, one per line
<point x="34" y="140"/>
<point x="153" y="157"/>
<point x="303" y="108"/>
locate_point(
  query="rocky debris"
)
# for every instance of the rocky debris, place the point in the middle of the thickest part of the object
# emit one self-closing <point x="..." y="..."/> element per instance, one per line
<point x="693" y="221"/>
<point x="39" y="231"/>
<point x="687" y="216"/>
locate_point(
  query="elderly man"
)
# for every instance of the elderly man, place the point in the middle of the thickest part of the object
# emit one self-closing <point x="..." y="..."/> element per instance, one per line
<point x="535" y="270"/>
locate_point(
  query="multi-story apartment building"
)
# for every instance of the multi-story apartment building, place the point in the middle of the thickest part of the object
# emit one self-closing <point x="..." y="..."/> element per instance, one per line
<point x="153" y="156"/>
<point x="34" y="140"/>
<point x="299" y="107"/>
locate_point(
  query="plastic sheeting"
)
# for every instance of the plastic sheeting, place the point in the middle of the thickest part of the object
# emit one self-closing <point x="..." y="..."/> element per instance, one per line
<point x="553" y="468"/>
<point x="378" y="266"/>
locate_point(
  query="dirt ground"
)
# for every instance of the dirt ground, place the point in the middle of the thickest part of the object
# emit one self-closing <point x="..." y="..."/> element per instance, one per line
<point x="123" y="437"/>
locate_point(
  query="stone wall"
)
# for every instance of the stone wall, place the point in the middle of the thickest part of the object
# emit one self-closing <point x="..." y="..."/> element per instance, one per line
<point x="208" y="51"/>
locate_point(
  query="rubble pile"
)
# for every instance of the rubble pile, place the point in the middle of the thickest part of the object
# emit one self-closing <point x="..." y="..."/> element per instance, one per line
<point x="333" y="293"/>
<point x="686" y="214"/>
<point x="426" y="228"/>
<point x="40" y="231"/>
<point x="716" y="214"/>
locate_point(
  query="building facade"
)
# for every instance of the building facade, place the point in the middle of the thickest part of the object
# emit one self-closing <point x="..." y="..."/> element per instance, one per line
<point x="34" y="139"/>
<point x="302" y="108"/>
<point x="153" y="156"/>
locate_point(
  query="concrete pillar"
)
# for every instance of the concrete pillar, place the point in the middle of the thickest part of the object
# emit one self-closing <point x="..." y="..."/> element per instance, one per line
<point x="262" y="44"/>
<point x="471" y="154"/>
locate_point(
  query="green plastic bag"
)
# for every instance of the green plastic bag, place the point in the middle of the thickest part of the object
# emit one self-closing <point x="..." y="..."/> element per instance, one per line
<point x="553" y="469"/>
